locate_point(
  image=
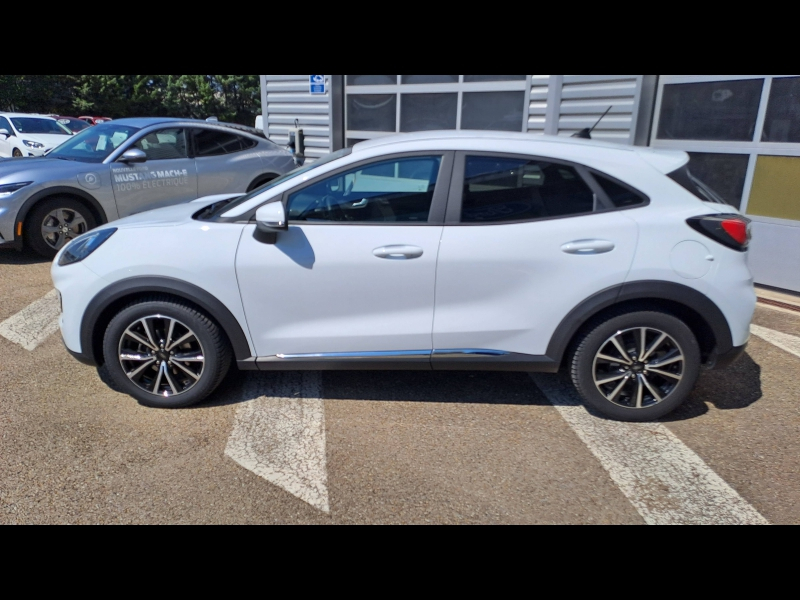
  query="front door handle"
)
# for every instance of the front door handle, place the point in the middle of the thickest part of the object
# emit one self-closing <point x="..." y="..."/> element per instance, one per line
<point x="587" y="247"/>
<point x="398" y="252"/>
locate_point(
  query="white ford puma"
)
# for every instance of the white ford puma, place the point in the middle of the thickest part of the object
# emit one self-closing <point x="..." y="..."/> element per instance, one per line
<point x="432" y="250"/>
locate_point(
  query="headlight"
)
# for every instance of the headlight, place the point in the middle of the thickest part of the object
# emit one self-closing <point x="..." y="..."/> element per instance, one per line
<point x="83" y="246"/>
<point x="31" y="144"/>
<point x="10" y="188"/>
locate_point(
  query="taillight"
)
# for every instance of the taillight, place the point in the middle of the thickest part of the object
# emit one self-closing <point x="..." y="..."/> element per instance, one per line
<point x="732" y="231"/>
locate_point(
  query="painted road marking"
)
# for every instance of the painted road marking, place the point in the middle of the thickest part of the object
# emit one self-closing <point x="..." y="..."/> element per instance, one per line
<point x="784" y="341"/>
<point x="279" y="433"/>
<point x="664" y="479"/>
<point x="34" y="323"/>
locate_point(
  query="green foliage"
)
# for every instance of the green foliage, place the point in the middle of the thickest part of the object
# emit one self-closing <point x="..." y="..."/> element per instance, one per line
<point x="232" y="98"/>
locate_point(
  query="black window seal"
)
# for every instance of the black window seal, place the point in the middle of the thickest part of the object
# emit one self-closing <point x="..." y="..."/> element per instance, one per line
<point x="438" y="204"/>
<point x="455" y="198"/>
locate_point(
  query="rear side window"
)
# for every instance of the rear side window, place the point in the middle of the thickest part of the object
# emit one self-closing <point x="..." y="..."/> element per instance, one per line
<point x="516" y="189"/>
<point x="212" y="142"/>
<point x="621" y="196"/>
<point x="691" y="183"/>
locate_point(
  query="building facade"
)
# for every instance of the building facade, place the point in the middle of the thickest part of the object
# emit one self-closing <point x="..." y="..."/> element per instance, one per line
<point x="742" y="132"/>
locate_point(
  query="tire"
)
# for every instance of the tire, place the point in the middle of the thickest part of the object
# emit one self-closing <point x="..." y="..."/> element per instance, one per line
<point x="16" y="153"/>
<point x="43" y="227"/>
<point x="139" y="368"/>
<point x="631" y="389"/>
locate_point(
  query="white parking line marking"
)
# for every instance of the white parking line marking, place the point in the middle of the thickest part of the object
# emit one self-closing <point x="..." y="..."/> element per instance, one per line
<point x="34" y="323"/>
<point x="665" y="480"/>
<point x="279" y="433"/>
<point x="784" y="341"/>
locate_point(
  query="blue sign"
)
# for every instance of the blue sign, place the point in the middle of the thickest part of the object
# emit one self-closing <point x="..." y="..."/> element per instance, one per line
<point x="316" y="84"/>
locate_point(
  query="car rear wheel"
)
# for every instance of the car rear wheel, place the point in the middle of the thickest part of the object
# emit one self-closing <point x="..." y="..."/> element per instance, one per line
<point x="54" y="222"/>
<point x="164" y="353"/>
<point x="636" y="366"/>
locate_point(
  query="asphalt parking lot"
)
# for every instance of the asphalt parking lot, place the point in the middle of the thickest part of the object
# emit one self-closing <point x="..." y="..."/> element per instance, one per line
<point x="385" y="447"/>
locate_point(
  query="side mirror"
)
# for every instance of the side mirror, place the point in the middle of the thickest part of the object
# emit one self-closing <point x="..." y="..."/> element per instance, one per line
<point x="134" y="155"/>
<point x="270" y="219"/>
<point x="5" y="132"/>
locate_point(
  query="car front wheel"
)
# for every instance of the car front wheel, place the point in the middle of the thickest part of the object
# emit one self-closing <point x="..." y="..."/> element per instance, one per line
<point x="54" y="222"/>
<point x="165" y="353"/>
<point x="636" y="366"/>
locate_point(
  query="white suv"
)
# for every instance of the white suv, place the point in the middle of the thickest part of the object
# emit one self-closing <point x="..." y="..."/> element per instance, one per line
<point x="433" y="250"/>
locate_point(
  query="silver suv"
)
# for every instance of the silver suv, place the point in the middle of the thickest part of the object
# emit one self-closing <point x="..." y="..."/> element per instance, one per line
<point x="124" y="167"/>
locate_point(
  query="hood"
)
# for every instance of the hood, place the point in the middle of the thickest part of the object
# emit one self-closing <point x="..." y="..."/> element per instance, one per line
<point x="48" y="139"/>
<point x="41" y="169"/>
<point x="169" y="215"/>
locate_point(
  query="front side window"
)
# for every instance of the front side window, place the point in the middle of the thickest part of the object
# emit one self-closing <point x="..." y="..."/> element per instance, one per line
<point x="164" y="144"/>
<point x="516" y="189"/>
<point x="397" y="190"/>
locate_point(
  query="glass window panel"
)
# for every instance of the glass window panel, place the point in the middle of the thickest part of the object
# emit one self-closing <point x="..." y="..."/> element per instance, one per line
<point x="723" y="173"/>
<point x="163" y="144"/>
<point x="776" y="188"/>
<point x="371" y="79"/>
<point x="492" y="110"/>
<point x="399" y="190"/>
<point x="423" y="112"/>
<point x="471" y="78"/>
<point x="620" y="196"/>
<point x="782" y="123"/>
<point x="710" y="110"/>
<point x="511" y="189"/>
<point x="211" y="142"/>
<point x="371" y="112"/>
<point x="429" y="78"/>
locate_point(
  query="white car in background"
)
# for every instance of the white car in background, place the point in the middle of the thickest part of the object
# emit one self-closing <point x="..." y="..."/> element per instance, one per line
<point x="30" y="135"/>
<point x="433" y="250"/>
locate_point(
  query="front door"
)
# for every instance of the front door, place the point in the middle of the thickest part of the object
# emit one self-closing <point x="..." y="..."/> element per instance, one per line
<point x="167" y="177"/>
<point x="355" y="272"/>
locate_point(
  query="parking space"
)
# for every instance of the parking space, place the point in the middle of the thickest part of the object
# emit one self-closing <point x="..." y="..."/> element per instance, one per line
<point x="388" y="447"/>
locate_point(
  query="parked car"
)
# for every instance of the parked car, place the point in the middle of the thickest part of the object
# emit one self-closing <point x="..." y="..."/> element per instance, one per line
<point x="29" y="135"/>
<point x="431" y="250"/>
<point x="94" y="120"/>
<point x="74" y="124"/>
<point x="127" y="166"/>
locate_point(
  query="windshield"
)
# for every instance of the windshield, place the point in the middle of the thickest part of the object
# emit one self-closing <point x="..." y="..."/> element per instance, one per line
<point x="34" y="125"/>
<point x="94" y="144"/>
<point x="691" y="183"/>
<point x="219" y="207"/>
<point x="74" y="125"/>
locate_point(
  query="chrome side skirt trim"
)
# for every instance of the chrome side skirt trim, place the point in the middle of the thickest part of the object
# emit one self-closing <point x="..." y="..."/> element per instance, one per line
<point x="356" y="355"/>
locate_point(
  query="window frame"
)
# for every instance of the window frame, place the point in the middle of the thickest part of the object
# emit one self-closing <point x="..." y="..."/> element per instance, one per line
<point x="438" y="203"/>
<point x="602" y="203"/>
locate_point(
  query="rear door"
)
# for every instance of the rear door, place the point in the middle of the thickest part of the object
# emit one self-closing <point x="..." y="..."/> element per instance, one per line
<point x="526" y="239"/>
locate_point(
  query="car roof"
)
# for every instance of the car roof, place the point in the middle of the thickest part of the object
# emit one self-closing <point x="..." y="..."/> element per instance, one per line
<point x="142" y="122"/>
<point x="473" y="135"/>
<point x="16" y="114"/>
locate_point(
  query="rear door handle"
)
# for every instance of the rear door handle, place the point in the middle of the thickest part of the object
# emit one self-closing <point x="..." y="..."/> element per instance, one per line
<point x="587" y="247"/>
<point x="398" y="252"/>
